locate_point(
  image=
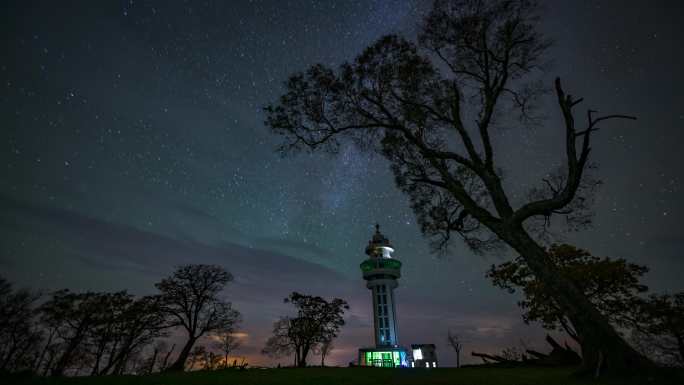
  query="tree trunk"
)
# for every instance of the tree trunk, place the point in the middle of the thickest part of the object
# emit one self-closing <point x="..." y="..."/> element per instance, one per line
<point x="153" y="360"/>
<point x="113" y="360"/>
<point x="36" y="369"/>
<point x="179" y="364"/>
<point x="65" y="358"/>
<point x="121" y="366"/>
<point x="603" y="349"/>
<point x="98" y="357"/>
<point x="166" y="358"/>
<point x="48" y="365"/>
<point x="302" y="357"/>
<point x="296" y="357"/>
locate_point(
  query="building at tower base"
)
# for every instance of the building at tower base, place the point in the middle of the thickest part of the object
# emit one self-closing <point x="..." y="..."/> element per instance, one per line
<point x="423" y="356"/>
<point x="387" y="357"/>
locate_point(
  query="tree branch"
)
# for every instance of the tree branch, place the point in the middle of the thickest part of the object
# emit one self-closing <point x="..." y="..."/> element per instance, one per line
<point x="575" y="165"/>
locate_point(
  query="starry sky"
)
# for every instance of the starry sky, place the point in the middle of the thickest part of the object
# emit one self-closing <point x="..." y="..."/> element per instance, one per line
<point x="132" y="141"/>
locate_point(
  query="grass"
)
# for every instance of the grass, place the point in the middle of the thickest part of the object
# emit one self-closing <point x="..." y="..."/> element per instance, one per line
<point x="362" y="376"/>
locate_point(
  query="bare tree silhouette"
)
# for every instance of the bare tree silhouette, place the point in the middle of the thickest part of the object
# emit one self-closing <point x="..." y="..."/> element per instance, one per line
<point x="190" y="299"/>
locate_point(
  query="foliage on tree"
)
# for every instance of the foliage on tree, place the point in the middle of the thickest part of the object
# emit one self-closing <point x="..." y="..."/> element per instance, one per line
<point x="284" y="340"/>
<point x="109" y="309"/>
<point x="660" y="327"/>
<point x="72" y="316"/>
<point x="102" y="331"/>
<point x="612" y="285"/>
<point x="139" y="322"/>
<point x="317" y="321"/>
<point x="190" y="299"/>
<point x="431" y="108"/>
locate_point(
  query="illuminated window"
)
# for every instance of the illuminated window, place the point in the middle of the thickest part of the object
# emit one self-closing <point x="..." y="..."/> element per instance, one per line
<point x="434" y="364"/>
<point x="417" y="354"/>
<point x="413" y="364"/>
<point x="427" y="364"/>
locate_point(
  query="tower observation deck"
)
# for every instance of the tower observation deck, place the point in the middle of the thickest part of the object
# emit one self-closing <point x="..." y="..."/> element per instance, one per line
<point x="381" y="272"/>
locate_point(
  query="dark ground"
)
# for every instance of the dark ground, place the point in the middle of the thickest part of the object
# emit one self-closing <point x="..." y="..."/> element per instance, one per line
<point x="362" y="376"/>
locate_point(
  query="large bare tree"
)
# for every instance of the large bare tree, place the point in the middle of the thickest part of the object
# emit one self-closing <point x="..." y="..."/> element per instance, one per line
<point x="430" y="108"/>
<point x="191" y="299"/>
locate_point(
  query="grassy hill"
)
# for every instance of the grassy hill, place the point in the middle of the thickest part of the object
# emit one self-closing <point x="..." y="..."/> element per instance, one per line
<point x="361" y="376"/>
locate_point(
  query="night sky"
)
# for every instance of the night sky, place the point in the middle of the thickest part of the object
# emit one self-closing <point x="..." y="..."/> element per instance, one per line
<point x="132" y="140"/>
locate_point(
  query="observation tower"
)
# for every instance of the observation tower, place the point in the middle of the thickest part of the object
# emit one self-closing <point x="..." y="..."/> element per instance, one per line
<point x="381" y="272"/>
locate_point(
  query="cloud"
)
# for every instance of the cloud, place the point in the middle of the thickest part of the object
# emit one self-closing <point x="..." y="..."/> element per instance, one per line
<point x="299" y="249"/>
<point x="117" y="246"/>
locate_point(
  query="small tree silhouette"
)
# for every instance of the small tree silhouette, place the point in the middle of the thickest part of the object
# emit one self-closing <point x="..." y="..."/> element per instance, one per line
<point x="190" y="299"/>
<point x="318" y="321"/>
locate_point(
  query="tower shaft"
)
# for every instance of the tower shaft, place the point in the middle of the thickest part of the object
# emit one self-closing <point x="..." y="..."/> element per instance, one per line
<point x="384" y="311"/>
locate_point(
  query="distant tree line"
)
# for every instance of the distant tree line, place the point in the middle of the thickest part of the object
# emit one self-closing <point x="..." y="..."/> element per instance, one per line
<point x="104" y="333"/>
